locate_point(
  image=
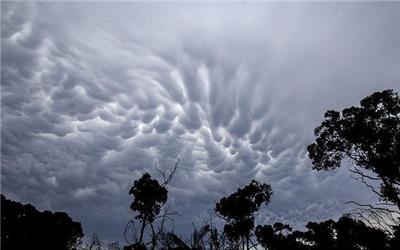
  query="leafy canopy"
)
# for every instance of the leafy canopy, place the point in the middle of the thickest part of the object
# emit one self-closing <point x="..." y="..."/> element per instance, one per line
<point x="149" y="197"/>
<point x="369" y="136"/>
<point x="239" y="209"/>
<point x="24" y="227"/>
<point x="344" y="234"/>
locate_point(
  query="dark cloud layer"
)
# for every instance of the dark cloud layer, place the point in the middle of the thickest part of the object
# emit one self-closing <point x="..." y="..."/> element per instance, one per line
<point x="95" y="94"/>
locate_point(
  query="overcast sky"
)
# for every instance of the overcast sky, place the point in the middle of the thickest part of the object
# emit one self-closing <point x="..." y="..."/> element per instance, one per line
<point x="95" y="94"/>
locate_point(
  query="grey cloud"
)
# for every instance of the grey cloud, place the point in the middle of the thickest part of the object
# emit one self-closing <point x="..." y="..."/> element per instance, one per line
<point x="192" y="118"/>
<point x="95" y="94"/>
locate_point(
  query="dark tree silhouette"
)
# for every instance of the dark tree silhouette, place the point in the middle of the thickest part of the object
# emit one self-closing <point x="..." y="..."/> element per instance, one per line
<point x="24" y="227"/>
<point x="320" y="235"/>
<point x="369" y="136"/>
<point x="353" y="234"/>
<point x="276" y="237"/>
<point x="149" y="196"/>
<point x="239" y="209"/>
<point x="345" y="234"/>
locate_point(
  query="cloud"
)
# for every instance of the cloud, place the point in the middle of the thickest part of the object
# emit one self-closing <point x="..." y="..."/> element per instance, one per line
<point x="95" y="94"/>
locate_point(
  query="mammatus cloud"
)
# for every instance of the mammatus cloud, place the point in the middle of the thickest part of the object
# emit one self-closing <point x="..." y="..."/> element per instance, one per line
<point x="95" y="94"/>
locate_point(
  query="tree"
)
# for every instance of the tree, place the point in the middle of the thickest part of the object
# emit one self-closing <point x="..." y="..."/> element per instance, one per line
<point x="239" y="209"/>
<point x="149" y="196"/>
<point x="24" y="227"/>
<point x="344" y="234"/>
<point x="369" y="136"/>
<point x="276" y="237"/>
<point x="354" y="234"/>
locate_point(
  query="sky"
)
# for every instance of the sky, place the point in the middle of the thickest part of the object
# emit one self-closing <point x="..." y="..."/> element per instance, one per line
<point x="93" y="95"/>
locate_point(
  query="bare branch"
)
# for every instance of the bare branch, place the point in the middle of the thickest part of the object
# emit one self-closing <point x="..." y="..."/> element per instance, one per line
<point x="130" y="225"/>
<point x="375" y="216"/>
<point x="167" y="177"/>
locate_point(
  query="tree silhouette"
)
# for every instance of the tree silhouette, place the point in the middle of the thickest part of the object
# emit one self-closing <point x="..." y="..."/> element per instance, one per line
<point x="24" y="227"/>
<point x="344" y="234"/>
<point x="239" y="209"/>
<point x="353" y="234"/>
<point x="276" y="237"/>
<point x="320" y="235"/>
<point x="369" y="136"/>
<point x="149" y="196"/>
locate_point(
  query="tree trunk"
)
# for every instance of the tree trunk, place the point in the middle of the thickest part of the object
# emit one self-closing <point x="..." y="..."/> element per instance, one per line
<point x="142" y="229"/>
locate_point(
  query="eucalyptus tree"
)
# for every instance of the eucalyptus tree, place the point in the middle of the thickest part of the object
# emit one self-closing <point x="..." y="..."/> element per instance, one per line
<point x="367" y="136"/>
<point x="239" y="210"/>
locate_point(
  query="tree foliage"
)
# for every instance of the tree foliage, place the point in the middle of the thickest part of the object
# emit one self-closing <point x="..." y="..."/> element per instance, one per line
<point x="24" y="227"/>
<point x="368" y="135"/>
<point x="344" y="234"/>
<point x="275" y="237"/>
<point x="239" y="209"/>
<point x="149" y="196"/>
